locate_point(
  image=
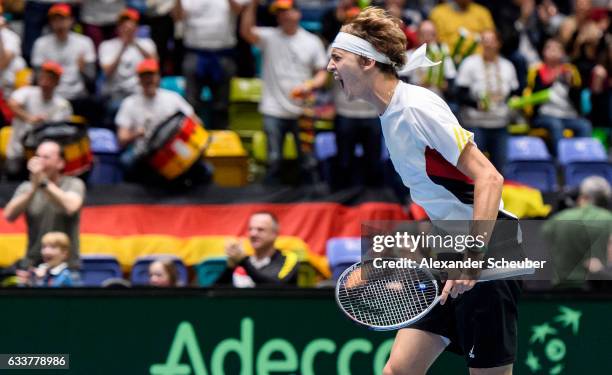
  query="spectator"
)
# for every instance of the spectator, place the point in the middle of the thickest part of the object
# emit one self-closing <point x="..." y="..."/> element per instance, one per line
<point x="589" y="51"/>
<point x="54" y="271"/>
<point x="10" y="58"/>
<point x="33" y="106"/>
<point x="579" y="236"/>
<point x="158" y="17"/>
<point x="410" y="20"/>
<point x="210" y="38"/>
<point x="437" y="78"/>
<point x="99" y="18"/>
<point x="291" y="55"/>
<point x="356" y="123"/>
<point x="140" y="115"/>
<point x="51" y="202"/>
<point x="119" y="57"/>
<point x="36" y="21"/>
<point x="268" y="266"/>
<point x="485" y="81"/>
<point x="452" y="16"/>
<point x="163" y="273"/>
<point x="549" y="19"/>
<point x="334" y="18"/>
<point x="572" y="24"/>
<point x="75" y="53"/>
<point x="520" y="33"/>
<point x="562" y="110"/>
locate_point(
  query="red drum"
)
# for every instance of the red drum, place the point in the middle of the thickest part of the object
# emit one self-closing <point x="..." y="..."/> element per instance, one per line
<point x="73" y="138"/>
<point x="176" y="145"/>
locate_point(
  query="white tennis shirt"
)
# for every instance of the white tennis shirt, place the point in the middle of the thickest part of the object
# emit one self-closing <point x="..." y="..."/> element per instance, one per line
<point x="425" y="141"/>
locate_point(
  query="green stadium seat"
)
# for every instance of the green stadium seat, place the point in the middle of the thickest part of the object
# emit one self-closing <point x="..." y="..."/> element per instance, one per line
<point x="209" y="270"/>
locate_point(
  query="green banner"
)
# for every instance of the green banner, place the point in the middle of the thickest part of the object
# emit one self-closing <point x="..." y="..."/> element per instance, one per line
<point x="276" y="332"/>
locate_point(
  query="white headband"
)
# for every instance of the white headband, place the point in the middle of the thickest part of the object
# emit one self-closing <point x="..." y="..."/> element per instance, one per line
<point x="358" y="46"/>
<point x="361" y="47"/>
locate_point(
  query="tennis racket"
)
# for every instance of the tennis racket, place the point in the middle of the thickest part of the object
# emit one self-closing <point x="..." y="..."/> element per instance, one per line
<point x="385" y="299"/>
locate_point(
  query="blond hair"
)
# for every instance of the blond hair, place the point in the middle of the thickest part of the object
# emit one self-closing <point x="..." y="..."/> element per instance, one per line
<point x="384" y="32"/>
<point x="56" y="239"/>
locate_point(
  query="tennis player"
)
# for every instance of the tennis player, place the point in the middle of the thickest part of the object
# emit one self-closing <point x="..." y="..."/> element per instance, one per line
<point x="449" y="177"/>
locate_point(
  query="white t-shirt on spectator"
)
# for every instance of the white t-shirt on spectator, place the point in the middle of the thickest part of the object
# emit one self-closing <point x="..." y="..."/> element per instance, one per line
<point x="138" y="111"/>
<point x="67" y="53"/>
<point x="31" y="99"/>
<point x="12" y="43"/>
<point x="209" y="24"/>
<point x="288" y="61"/>
<point x="101" y="12"/>
<point x="487" y="77"/>
<point x="8" y="76"/>
<point x="125" y="79"/>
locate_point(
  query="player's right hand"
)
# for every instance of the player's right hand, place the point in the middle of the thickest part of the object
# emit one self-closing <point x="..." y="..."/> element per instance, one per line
<point x="454" y="288"/>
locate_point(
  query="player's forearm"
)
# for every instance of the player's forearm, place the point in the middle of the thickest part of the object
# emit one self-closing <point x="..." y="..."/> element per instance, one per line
<point x="487" y="196"/>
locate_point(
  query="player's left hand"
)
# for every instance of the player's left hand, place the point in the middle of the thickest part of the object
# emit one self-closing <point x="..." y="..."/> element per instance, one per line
<point x="455" y="287"/>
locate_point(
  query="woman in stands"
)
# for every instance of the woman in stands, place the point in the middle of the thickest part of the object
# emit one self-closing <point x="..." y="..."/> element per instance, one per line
<point x="163" y="273"/>
<point x="449" y="177"/>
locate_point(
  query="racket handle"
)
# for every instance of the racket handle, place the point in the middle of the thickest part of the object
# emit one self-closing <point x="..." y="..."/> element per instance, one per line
<point x="504" y="273"/>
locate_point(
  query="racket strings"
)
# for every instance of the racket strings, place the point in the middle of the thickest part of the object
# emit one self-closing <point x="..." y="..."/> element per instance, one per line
<point x="387" y="297"/>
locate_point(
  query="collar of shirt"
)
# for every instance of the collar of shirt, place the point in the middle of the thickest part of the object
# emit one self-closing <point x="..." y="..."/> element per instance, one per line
<point x="259" y="263"/>
<point x="58" y="269"/>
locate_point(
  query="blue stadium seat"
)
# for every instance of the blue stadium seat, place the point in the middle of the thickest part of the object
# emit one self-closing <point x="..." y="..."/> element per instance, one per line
<point x="144" y="31"/>
<point x="103" y="141"/>
<point x="325" y="145"/>
<point x="541" y="175"/>
<point x="581" y="158"/>
<point x="343" y="252"/>
<point x="173" y="83"/>
<point x="530" y="163"/>
<point x="527" y="149"/>
<point x="105" y="147"/>
<point x="140" y="269"/>
<point x="582" y="149"/>
<point x="96" y="269"/>
<point x="209" y="270"/>
<point x="576" y="172"/>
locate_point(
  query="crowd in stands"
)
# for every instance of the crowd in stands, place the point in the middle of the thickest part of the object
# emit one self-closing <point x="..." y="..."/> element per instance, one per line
<point x="492" y="52"/>
<point x="104" y="61"/>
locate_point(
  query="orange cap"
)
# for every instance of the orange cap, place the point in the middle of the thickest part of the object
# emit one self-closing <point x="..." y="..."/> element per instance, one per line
<point x="53" y="67"/>
<point x="130" y="14"/>
<point x="61" y="9"/>
<point x="148" y="66"/>
<point x="281" y="5"/>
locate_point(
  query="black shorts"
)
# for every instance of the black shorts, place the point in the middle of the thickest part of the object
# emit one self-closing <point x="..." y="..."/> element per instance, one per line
<point x="481" y="324"/>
